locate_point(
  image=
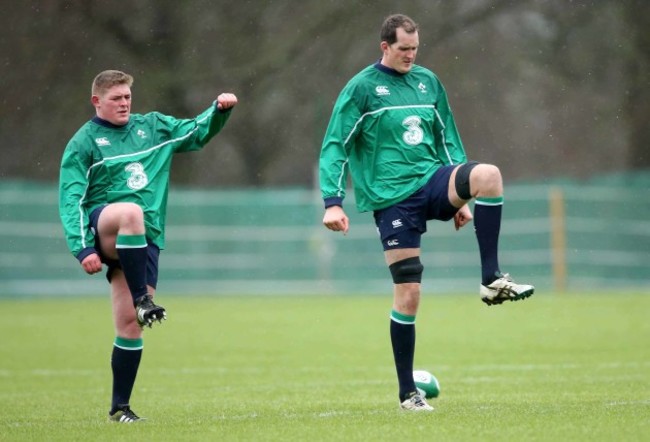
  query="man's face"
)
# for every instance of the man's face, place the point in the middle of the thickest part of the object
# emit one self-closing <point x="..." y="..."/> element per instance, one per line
<point x="401" y="54"/>
<point x="115" y="105"/>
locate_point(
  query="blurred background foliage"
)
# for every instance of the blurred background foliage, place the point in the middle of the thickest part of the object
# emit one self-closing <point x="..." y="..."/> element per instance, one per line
<point x="544" y="89"/>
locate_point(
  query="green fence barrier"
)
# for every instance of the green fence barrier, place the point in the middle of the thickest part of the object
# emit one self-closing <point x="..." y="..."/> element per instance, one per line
<point x="271" y="241"/>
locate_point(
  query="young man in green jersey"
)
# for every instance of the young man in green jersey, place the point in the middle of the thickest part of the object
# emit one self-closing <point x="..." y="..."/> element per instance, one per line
<point x="113" y="187"/>
<point x="393" y="130"/>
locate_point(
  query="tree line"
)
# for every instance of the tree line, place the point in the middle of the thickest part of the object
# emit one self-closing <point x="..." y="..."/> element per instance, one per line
<point x="544" y="89"/>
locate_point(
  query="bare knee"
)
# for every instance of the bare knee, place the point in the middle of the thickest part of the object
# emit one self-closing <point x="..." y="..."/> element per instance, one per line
<point x="120" y="218"/>
<point x="486" y="181"/>
<point x="131" y="218"/>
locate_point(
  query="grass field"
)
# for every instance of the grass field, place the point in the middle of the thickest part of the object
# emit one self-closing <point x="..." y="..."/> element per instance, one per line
<point x="568" y="367"/>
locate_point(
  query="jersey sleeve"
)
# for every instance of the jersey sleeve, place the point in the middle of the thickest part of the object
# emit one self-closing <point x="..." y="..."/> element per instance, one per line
<point x="193" y="133"/>
<point x="339" y="140"/>
<point x="448" y="143"/>
<point x="73" y="184"/>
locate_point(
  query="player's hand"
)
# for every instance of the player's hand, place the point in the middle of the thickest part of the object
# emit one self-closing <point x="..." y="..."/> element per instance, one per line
<point x="335" y="219"/>
<point x="462" y="217"/>
<point x="92" y="264"/>
<point x="226" y="101"/>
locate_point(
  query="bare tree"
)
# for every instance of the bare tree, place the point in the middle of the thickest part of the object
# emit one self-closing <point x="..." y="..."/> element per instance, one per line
<point x="637" y="93"/>
<point x="549" y="88"/>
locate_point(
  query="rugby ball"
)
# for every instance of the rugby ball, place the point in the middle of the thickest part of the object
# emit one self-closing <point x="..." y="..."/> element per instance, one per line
<point x="426" y="383"/>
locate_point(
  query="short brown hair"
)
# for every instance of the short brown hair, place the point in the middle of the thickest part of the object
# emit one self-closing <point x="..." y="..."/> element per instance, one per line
<point x="392" y="22"/>
<point x="107" y="79"/>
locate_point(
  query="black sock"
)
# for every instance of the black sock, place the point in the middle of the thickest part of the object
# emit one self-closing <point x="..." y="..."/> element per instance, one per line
<point x="132" y="252"/>
<point x="402" y="336"/>
<point x="125" y="361"/>
<point x="487" y="225"/>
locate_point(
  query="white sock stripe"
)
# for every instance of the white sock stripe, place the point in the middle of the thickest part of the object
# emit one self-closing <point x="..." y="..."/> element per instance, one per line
<point x="488" y="203"/>
<point x="129" y="348"/>
<point x="401" y="321"/>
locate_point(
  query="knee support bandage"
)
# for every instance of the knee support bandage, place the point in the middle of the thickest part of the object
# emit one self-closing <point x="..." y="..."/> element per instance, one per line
<point x="462" y="180"/>
<point x="407" y="270"/>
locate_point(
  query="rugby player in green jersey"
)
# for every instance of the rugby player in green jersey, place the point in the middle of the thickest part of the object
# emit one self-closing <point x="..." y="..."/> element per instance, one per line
<point x="392" y="129"/>
<point x="113" y="186"/>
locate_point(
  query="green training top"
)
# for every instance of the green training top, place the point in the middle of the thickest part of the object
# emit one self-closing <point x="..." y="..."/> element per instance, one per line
<point x="104" y="164"/>
<point x="392" y="131"/>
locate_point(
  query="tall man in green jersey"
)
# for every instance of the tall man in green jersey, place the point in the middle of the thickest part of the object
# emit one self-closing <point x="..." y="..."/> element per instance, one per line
<point x="392" y="128"/>
<point x="113" y="188"/>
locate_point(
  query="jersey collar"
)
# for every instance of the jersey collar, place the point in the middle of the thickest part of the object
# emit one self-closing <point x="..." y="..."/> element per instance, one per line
<point x="387" y="70"/>
<point x="107" y="124"/>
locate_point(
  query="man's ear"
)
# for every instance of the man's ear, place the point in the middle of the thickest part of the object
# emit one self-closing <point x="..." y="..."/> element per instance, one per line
<point x="94" y="100"/>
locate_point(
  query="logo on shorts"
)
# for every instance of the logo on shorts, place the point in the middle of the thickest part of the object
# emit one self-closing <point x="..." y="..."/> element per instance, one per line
<point x="397" y="223"/>
<point x="392" y="243"/>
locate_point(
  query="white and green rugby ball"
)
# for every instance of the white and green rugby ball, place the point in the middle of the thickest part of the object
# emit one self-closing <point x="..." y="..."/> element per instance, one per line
<point x="426" y="383"/>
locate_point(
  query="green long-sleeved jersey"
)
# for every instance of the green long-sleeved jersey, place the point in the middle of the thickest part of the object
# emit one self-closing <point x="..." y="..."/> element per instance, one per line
<point x="392" y="131"/>
<point x="104" y="164"/>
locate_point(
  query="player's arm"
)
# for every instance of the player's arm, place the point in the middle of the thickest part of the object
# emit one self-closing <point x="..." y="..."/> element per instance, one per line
<point x="454" y="152"/>
<point x="333" y="163"/>
<point x="448" y="140"/>
<point x="73" y="186"/>
<point x="194" y="133"/>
